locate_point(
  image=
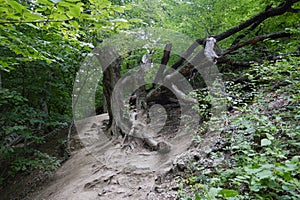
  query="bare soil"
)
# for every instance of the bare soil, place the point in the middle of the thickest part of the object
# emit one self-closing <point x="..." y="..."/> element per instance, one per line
<point x="104" y="170"/>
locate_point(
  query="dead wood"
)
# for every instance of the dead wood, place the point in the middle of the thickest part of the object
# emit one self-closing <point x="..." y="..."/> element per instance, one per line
<point x="255" y="40"/>
<point x="164" y="61"/>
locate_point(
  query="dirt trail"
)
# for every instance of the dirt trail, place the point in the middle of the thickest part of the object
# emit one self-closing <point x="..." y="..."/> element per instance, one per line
<point x="103" y="170"/>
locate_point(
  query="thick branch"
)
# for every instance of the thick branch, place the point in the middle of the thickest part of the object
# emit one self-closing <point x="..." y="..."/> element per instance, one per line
<point x="182" y="95"/>
<point x="240" y="37"/>
<point x="294" y="10"/>
<point x="279" y="10"/>
<point x="247" y="64"/>
<point x="187" y="53"/>
<point x="252" y="27"/>
<point x="234" y="63"/>
<point x="207" y="55"/>
<point x="255" y="40"/>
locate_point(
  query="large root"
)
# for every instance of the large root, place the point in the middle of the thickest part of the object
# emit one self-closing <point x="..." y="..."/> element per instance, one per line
<point x="140" y="130"/>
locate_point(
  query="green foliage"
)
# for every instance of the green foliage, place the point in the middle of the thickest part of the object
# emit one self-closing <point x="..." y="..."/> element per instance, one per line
<point x="204" y="99"/>
<point x="20" y="123"/>
<point x="17" y="118"/>
<point x="263" y="141"/>
<point x="42" y="44"/>
<point x="34" y="160"/>
<point x="21" y="23"/>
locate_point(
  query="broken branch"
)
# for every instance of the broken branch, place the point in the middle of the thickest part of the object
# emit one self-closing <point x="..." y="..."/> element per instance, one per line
<point x="255" y="40"/>
<point x="164" y="61"/>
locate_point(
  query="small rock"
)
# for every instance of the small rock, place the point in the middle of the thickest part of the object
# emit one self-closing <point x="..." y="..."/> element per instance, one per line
<point x="158" y="189"/>
<point x="184" y="160"/>
<point x="164" y="147"/>
<point x="176" y="187"/>
<point x="151" y="196"/>
<point x="94" y="125"/>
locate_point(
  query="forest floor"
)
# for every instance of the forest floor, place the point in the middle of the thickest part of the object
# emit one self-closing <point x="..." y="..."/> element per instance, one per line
<point x="104" y="170"/>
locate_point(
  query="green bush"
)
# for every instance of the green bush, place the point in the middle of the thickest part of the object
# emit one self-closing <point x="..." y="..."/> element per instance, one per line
<point x="19" y="125"/>
<point x="263" y="141"/>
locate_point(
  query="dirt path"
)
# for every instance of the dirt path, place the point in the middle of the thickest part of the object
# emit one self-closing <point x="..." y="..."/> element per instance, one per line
<point x="102" y="170"/>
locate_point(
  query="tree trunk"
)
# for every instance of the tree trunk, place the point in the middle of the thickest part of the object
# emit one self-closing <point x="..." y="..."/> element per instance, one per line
<point x="111" y="63"/>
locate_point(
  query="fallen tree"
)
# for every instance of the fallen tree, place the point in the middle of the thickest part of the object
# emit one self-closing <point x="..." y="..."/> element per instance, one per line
<point x="190" y="60"/>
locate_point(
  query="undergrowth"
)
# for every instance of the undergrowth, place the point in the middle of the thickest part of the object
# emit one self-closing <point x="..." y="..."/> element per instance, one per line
<point x="261" y="157"/>
<point x="21" y="129"/>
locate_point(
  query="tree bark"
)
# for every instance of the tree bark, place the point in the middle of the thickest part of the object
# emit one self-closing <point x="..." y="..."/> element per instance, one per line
<point x="111" y="63"/>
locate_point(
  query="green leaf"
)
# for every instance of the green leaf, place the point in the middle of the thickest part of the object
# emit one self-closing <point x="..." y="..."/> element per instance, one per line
<point x="264" y="174"/>
<point x="269" y="136"/>
<point x="5" y="66"/>
<point x="46" y="2"/>
<point x="15" y="5"/>
<point x="213" y="192"/>
<point x="75" y="11"/>
<point x="57" y="16"/>
<point x="295" y="159"/>
<point x="228" y="193"/>
<point x="75" y="24"/>
<point x="119" y="20"/>
<point x="287" y="188"/>
<point x="73" y="1"/>
<point x="197" y="196"/>
<point x="265" y="142"/>
<point x="119" y="9"/>
<point x="31" y="17"/>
